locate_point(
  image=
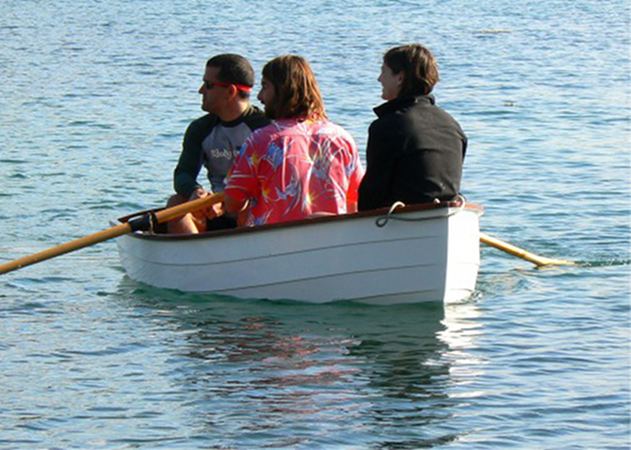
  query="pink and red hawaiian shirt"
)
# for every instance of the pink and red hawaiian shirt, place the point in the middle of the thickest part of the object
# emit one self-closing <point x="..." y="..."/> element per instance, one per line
<point x="292" y="169"/>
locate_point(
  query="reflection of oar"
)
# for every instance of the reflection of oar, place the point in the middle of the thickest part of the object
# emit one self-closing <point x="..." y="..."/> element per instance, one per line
<point x="521" y="253"/>
<point x="141" y="223"/>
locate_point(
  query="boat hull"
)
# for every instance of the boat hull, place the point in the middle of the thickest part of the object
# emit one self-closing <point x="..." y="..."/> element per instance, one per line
<point x="430" y="255"/>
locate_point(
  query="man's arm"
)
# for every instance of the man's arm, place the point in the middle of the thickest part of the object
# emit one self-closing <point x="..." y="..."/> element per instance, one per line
<point x="355" y="174"/>
<point x="234" y="206"/>
<point x="241" y="184"/>
<point x="190" y="161"/>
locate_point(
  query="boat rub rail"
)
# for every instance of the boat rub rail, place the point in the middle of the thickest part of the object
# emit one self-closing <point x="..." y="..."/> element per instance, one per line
<point x="139" y="216"/>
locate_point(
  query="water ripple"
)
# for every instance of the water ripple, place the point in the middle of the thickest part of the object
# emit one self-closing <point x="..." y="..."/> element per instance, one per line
<point x="535" y="359"/>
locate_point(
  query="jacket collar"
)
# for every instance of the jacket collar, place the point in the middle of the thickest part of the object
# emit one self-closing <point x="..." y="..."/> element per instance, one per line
<point x="402" y="102"/>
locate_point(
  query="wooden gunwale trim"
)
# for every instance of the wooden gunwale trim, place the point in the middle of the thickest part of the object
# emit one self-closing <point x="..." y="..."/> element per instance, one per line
<point x="296" y="223"/>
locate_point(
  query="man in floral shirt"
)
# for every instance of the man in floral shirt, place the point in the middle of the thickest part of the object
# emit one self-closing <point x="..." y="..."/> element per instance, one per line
<point x="302" y="164"/>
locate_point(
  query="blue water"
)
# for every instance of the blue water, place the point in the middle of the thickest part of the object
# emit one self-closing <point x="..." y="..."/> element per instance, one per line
<point x="94" y="99"/>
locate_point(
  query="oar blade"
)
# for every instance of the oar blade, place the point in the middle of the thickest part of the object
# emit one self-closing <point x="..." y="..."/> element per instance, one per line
<point x="539" y="261"/>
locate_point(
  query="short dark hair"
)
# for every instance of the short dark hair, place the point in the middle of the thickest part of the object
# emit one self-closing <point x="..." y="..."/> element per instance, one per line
<point x="296" y="91"/>
<point x="420" y="70"/>
<point x="233" y="69"/>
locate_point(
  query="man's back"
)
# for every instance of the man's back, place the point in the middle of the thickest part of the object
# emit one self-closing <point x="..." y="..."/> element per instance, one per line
<point x="297" y="168"/>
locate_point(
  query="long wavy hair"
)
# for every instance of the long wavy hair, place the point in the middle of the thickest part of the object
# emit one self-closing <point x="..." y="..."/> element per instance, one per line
<point x="419" y="67"/>
<point x="296" y="91"/>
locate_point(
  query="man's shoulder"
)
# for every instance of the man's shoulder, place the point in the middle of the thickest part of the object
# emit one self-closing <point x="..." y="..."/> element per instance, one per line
<point x="263" y="134"/>
<point x="254" y="118"/>
<point x="202" y="124"/>
<point x="332" y="129"/>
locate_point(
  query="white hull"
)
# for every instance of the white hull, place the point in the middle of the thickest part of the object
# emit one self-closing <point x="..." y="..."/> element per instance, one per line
<point x="433" y="259"/>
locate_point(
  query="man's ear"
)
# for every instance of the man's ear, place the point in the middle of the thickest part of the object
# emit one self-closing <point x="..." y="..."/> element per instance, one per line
<point x="233" y="91"/>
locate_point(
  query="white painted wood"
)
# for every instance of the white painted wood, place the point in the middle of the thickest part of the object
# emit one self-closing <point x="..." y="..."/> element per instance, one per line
<point x="435" y="258"/>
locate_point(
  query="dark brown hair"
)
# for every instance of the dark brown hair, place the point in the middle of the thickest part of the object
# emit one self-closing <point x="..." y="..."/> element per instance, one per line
<point x="233" y="69"/>
<point x="296" y="91"/>
<point x="420" y="71"/>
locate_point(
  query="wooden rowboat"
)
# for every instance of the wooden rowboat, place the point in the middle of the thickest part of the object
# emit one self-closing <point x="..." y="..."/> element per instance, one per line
<point x="416" y="253"/>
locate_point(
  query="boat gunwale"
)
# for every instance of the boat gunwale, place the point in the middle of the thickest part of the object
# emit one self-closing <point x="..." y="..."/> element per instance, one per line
<point x="297" y="223"/>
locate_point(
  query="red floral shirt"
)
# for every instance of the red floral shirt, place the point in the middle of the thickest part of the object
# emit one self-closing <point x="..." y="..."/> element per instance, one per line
<point x="292" y="169"/>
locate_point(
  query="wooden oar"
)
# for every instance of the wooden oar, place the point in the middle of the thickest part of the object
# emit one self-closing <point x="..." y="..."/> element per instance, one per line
<point x="141" y="223"/>
<point x="539" y="261"/>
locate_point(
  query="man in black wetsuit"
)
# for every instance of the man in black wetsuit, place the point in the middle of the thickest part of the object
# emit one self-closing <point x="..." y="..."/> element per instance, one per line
<point x="214" y="139"/>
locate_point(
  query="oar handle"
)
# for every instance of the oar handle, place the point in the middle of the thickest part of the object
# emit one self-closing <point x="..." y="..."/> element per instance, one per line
<point x="521" y="253"/>
<point x="179" y="210"/>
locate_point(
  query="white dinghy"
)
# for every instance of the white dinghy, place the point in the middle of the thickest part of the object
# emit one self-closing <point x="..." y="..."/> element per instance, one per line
<point x="416" y="253"/>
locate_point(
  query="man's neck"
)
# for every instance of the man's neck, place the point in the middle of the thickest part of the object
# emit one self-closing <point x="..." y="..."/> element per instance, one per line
<point x="234" y="111"/>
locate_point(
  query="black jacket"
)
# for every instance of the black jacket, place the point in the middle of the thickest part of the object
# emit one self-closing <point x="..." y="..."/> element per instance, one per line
<point x="415" y="153"/>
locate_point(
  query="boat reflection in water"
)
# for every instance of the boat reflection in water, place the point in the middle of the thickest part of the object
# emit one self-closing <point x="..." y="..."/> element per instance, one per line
<point x="300" y="374"/>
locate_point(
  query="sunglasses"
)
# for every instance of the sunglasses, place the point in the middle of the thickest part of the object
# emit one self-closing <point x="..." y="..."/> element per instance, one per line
<point x="240" y="87"/>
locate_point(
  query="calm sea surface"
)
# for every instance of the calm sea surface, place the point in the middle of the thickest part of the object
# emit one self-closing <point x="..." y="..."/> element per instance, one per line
<point x="94" y="99"/>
